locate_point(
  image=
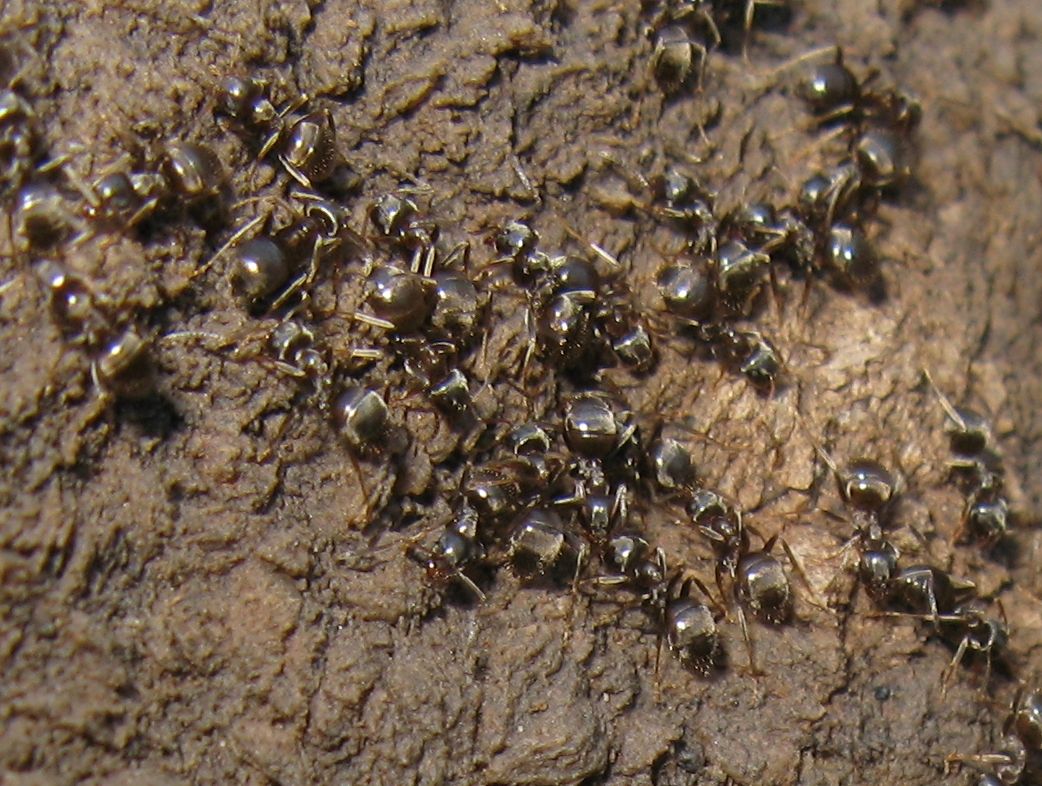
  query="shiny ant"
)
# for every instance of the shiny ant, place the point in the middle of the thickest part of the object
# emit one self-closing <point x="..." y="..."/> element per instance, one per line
<point x="753" y="579"/>
<point x="975" y="463"/>
<point x="44" y="217"/>
<point x="833" y="93"/>
<point x="20" y="139"/>
<point x="574" y="313"/>
<point x="456" y="550"/>
<point x="270" y="269"/>
<point x="186" y="175"/>
<point x="121" y="362"/>
<point x="304" y="144"/>
<point x="673" y="198"/>
<point x="688" y="627"/>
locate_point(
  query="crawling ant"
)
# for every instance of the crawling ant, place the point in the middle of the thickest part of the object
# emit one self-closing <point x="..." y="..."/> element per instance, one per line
<point x="756" y="578"/>
<point x="971" y="441"/>
<point x="401" y="300"/>
<point x="677" y="50"/>
<point x="362" y="417"/>
<point x="120" y="355"/>
<point x="404" y="300"/>
<point x="591" y="427"/>
<point x="616" y="324"/>
<point x="850" y="256"/>
<point x="495" y="490"/>
<point x="304" y="144"/>
<point x="690" y="627"/>
<point x="926" y="591"/>
<point x="20" y="139"/>
<point x="675" y="57"/>
<point x="832" y="92"/>
<point x="397" y="218"/>
<point x="747" y="352"/>
<point x="674" y="198"/>
<point x="867" y="486"/>
<point x="973" y="632"/>
<point x="975" y="463"/>
<point x="687" y="290"/>
<point x="635" y="564"/>
<point x="669" y="463"/>
<point x="124" y="366"/>
<point x="183" y="175"/>
<point x="740" y="275"/>
<point x="457" y="549"/>
<point x="42" y="218"/>
<point x="268" y="270"/>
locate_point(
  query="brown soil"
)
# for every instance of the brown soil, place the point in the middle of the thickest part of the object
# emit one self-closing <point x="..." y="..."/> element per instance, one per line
<point x="195" y="588"/>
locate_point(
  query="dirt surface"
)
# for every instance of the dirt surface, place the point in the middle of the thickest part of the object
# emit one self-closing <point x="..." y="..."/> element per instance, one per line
<point x="207" y="586"/>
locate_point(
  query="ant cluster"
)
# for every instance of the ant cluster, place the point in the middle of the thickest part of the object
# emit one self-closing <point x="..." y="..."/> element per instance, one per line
<point x="948" y="604"/>
<point x="54" y="213"/>
<point x="554" y="499"/>
<point x="729" y="264"/>
<point x="551" y="503"/>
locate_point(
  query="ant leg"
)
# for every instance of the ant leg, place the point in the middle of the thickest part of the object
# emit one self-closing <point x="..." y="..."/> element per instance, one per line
<point x="948" y="674"/>
<point x="747" y="26"/>
<point x="295" y="173"/>
<point x="361" y="486"/>
<point x="754" y="669"/>
<point x="703" y="588"/>
<point x="468" y="582"/>
<point x="797" y="565"/>
<point x="235" y="238"/>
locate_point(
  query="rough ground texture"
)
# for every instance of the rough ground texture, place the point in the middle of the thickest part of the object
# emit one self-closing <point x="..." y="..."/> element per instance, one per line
<point x="191" y="589"/>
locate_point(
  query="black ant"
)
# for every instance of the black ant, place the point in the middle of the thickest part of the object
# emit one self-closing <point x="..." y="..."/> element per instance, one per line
<point x="457" y="549"/>
<point x="754" y="579"/>
<point x="304" y="144"/>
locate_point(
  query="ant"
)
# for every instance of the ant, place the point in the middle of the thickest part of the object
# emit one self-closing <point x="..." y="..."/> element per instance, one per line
<point x="272" y="268"/>
<point x="541" y="545"/>
<point x="755" y="579"/>
<point x="120" y="357"/>
<point x="304" y="144"/>
<point x="975" y="463"/>
<point x="20" y="139"/>
<point x="690" y="627"/>
<point x="833" y="93"/>
<point x="457" y="549"/>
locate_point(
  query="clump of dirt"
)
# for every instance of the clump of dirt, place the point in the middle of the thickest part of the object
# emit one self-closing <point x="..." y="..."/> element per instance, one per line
<point x="206" y="584"/>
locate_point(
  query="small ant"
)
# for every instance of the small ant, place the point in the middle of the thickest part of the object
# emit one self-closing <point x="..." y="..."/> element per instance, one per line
<point x="975" y="463"/>
<point x="457" y="549"/>
<point x="690" y="627"/>
<point x="121" y="361"/>
<point x="756" y="579"/>
<point x="305" y="144"/>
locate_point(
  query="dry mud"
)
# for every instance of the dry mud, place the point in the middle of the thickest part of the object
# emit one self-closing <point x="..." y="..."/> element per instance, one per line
<point x="193" y="591"/>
